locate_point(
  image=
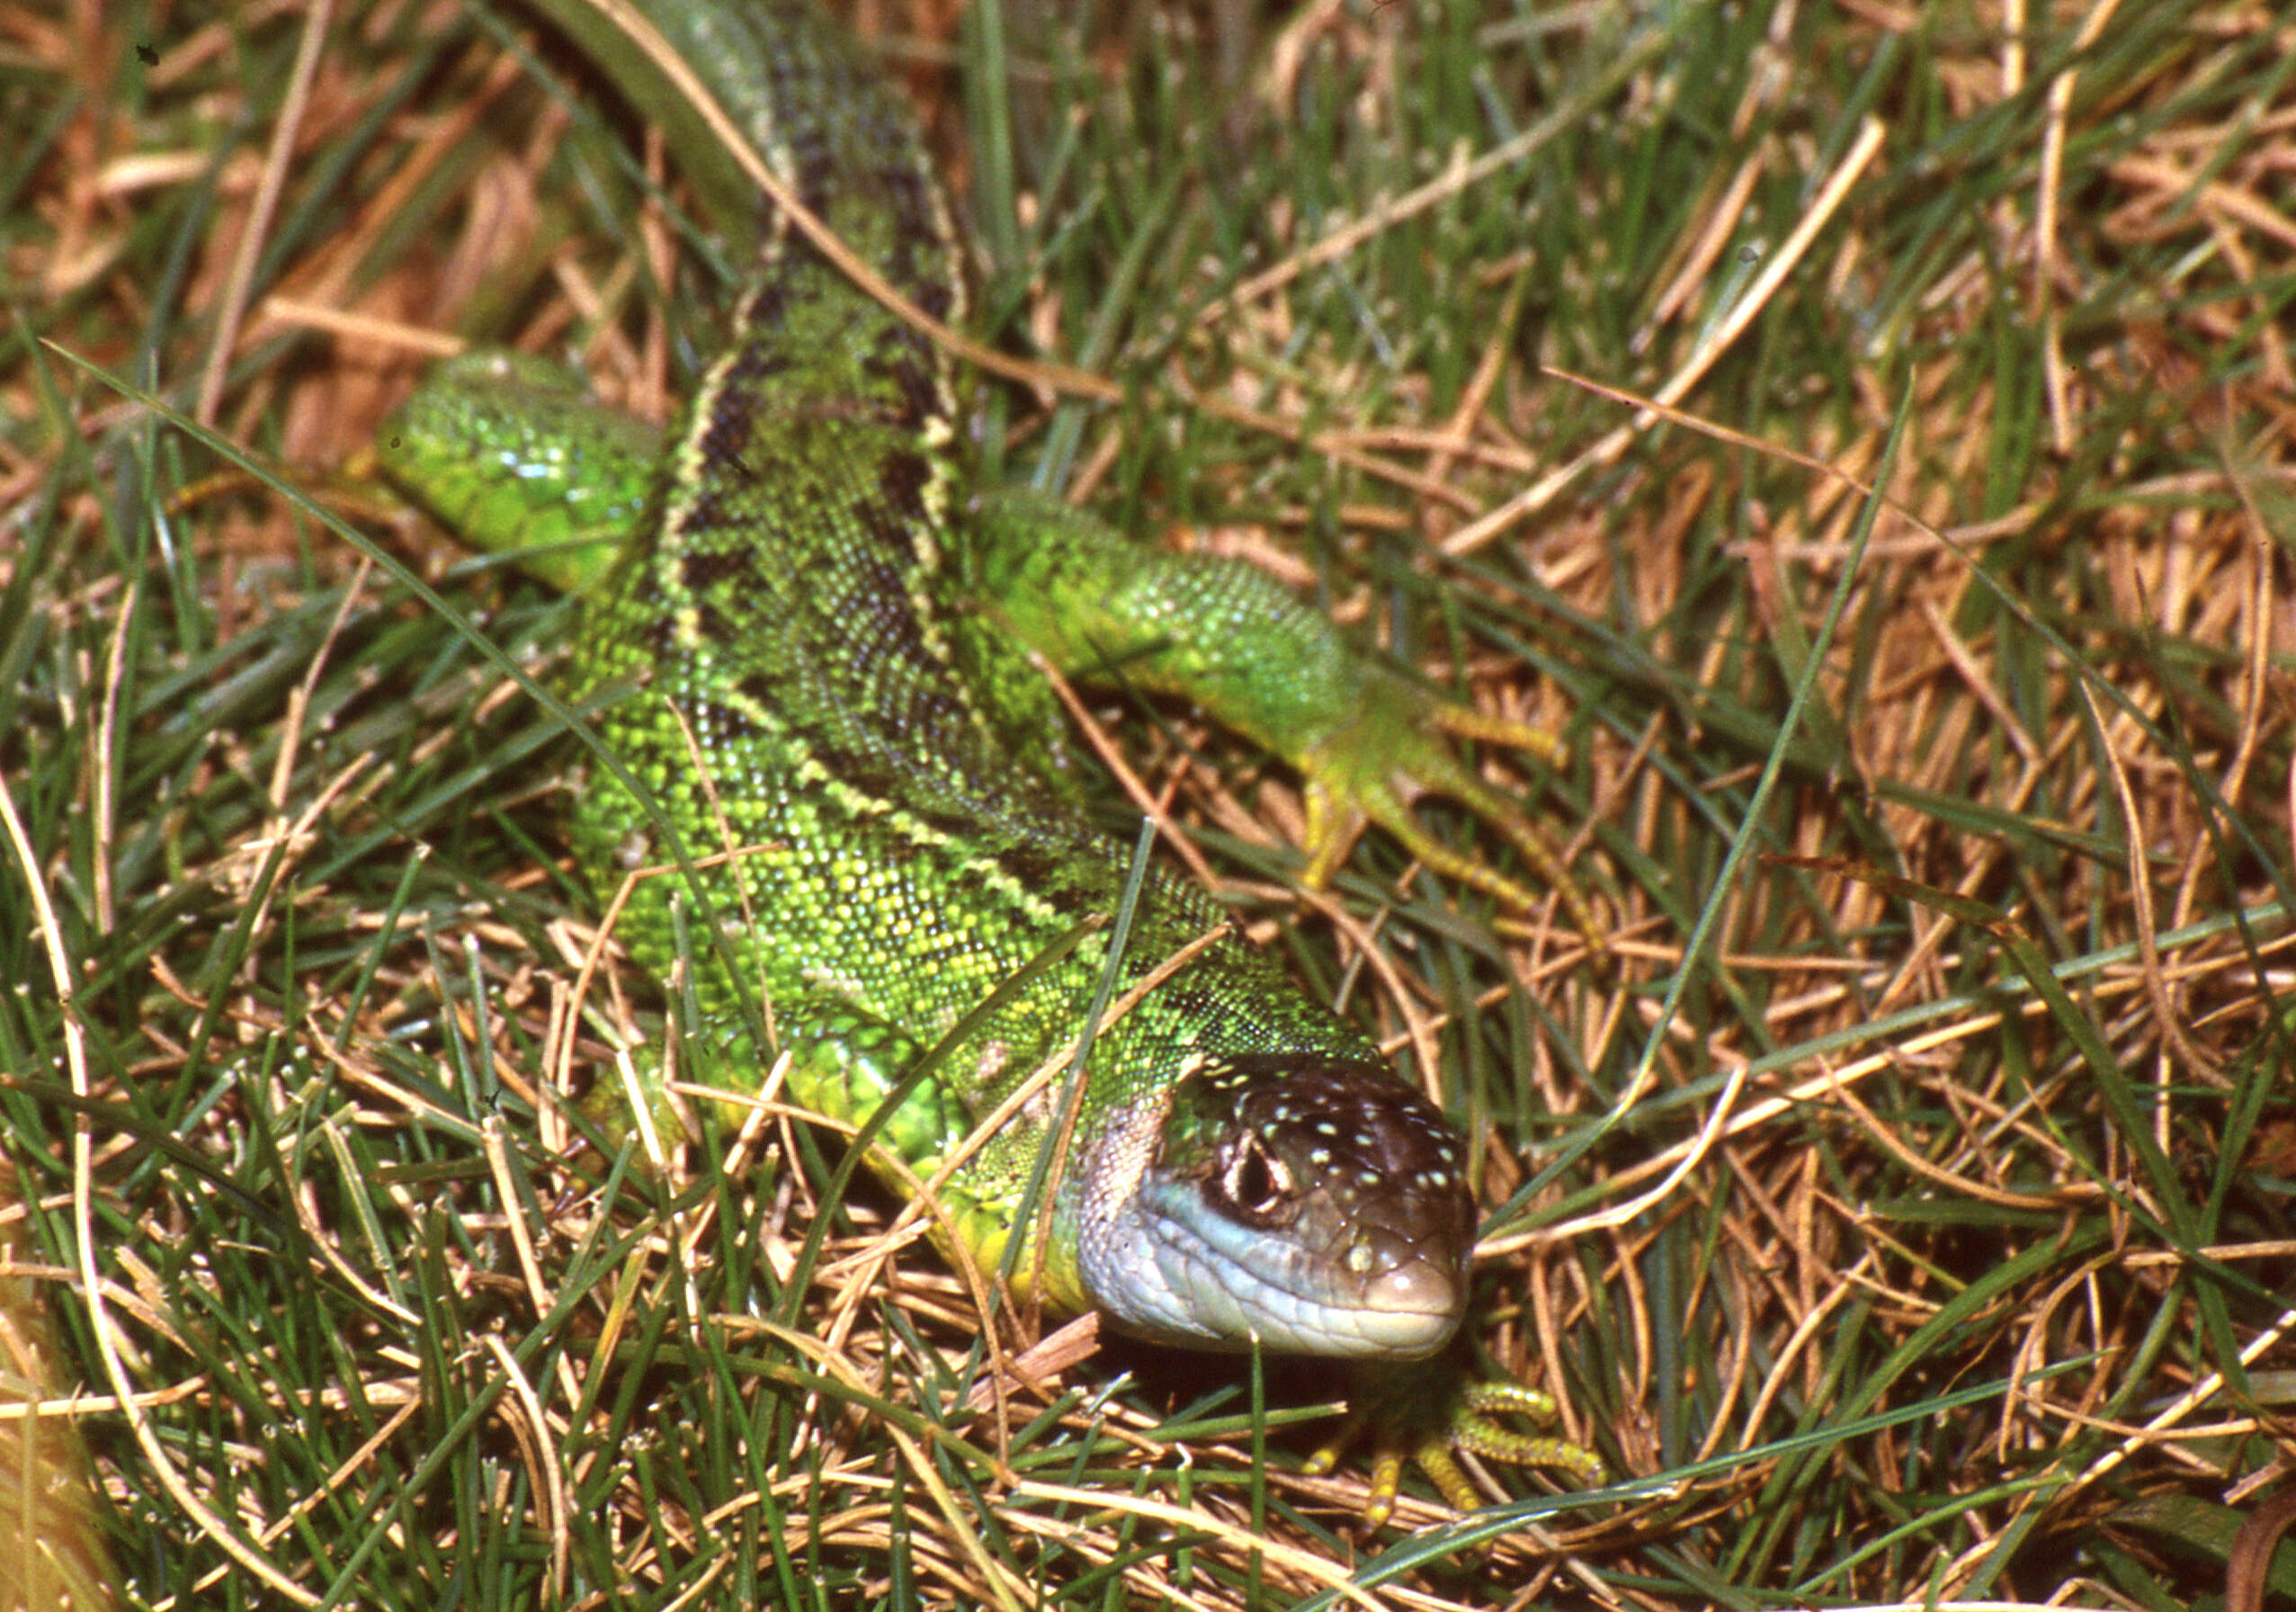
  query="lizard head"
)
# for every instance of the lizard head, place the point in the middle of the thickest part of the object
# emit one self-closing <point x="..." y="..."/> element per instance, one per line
<point x="1315" y="1204"/>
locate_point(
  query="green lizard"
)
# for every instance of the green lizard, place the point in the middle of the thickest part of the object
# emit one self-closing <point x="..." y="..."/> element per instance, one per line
<point x="806" y="637"/>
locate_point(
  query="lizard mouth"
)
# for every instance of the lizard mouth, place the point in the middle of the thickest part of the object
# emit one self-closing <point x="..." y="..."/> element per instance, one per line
<point x="1308" y="1204"/>
<point x="1251" y="1288"/>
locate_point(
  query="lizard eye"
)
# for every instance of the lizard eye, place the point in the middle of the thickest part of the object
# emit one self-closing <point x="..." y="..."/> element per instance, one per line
<point x="1255" y="1182"/>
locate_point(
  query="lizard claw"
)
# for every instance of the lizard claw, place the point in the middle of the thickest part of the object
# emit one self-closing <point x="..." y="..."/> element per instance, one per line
<point x="1393" y="751"/>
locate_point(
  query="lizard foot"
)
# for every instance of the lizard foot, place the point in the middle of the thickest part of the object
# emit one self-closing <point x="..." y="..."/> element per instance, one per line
<point x="1397" y="749"/>
<point x="1424" y="1416"/>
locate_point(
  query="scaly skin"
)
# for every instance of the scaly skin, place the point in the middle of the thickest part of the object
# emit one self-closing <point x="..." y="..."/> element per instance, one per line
<point x="779" y="662"/>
